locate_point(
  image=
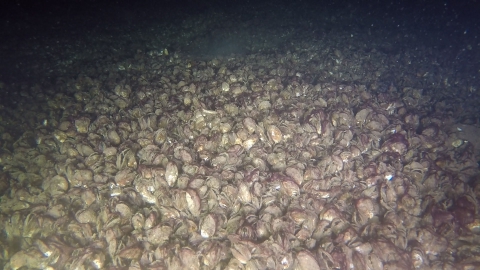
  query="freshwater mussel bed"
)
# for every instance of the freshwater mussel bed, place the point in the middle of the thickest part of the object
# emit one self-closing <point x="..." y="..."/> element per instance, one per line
<point x="317" y="157"/>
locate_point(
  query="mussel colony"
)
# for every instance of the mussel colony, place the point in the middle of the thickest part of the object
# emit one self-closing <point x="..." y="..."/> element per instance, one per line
<point x="253" y="162"/>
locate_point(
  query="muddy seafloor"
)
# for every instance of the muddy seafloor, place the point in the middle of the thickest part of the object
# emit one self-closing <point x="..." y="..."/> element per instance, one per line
<point x="275" y="137"/>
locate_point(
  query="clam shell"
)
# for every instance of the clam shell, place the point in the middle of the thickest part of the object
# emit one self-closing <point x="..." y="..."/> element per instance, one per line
<point x="56" y="185"/>
<point x="158" y="235"/>
<point x="82" y="125"/>
<point x="208" y="226"/>
<point x="113" y="137"/>
<point x="457" y="143"/>
<point x="86" y="216"/>
<point x="274" y="134"/>
<point x="171" y="173"/>
<point x="124" y="177"/>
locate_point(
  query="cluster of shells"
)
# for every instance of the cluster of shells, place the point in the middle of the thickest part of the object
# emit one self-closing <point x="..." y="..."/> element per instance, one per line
<point x="239" y="163"/>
